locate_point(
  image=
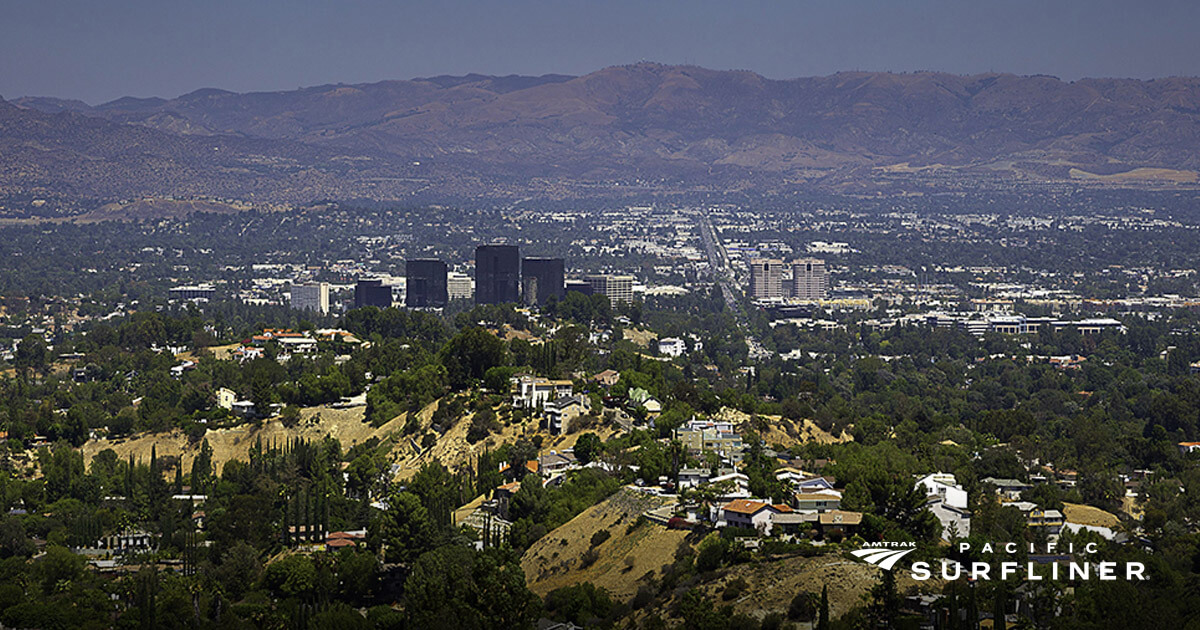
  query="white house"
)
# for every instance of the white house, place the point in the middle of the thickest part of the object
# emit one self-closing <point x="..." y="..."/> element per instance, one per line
<point x="955" y="521"/>
<point x="692" y="477"/>
<point x="225" y="398"/>
<point x="536" y="391"/>
<point x="749" y="514"/>
<point x="945" y="487"/>
<point x="1010" y="489"/>
<point x="672" y="347"/>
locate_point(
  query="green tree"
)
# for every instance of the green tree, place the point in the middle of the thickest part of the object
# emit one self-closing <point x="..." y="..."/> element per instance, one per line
<point x="588" y="447"/>
<point x="32" y="354"/>
<point x="456" y="587"/>
<point x="202" y="469"/>
<point x="58" y="568"/>
<point x="470" y="354"/>
<point x="405" y="529"/>
<point x="239" y="569"/>
<point x="293" y="576"/>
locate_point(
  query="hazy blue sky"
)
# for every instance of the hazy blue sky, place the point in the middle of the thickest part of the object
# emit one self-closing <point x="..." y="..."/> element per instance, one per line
<point x="98" y="50"/>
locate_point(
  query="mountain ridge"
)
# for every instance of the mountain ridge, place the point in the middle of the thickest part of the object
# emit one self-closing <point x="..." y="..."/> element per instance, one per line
<point x="682" y="125"/>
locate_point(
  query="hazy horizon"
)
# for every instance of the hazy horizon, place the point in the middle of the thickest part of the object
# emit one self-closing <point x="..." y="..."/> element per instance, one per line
<point x="99" y="52"/>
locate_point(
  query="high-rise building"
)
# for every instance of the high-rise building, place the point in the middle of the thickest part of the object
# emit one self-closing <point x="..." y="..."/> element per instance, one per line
<point x="458" y="286"/>
<point x="542" y="278"/>
<point x="766" y="278"/>
<point x="497" y="274"/>
<point x="425" y="281"/>
<point x="809" y="279"/>
<point x="372" y="292"/>
<point x="617" y="288"/>
<point x="313" y="296"/>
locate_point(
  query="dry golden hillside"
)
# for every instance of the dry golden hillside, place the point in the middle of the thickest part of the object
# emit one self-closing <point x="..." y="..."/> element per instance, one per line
<point x="454" y="451"/>
<point x="781" y="432"/>
<point x="346" y="425"/>
<point x="636" y="552"/>
<point x="772" y="584"/>
<point x="631" y="552"/>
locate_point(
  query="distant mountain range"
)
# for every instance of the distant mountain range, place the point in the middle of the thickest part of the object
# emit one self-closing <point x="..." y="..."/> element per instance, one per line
<point x="643" y="127"/>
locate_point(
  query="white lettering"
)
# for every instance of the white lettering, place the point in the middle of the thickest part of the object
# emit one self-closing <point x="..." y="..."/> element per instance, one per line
<point x="964" y="547"/>
<point x="1007" y="569"/>
<point x="1079" y="571"/>
<point x="1033" y="575"/>
<point x="1091" y="547"/>
<point x="920" y="571"/>
<point x="1011" y="547"/>
<point x="987" y="548"/>
<point x="1135" y="568"/>
<point x="980" y="570"/>
<point x="946" y="574"/>
<point x="1106" y="571"/>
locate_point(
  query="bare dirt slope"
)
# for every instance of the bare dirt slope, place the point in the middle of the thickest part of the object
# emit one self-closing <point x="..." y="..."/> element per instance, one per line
<point x="1088" y="515"/>
<point x="454" y="451"/>
<point x="637" y="551"/>
<point x="346" y="425"/>
<point x="630" y="553"/>
<point x="772" y="584"/>
<point x="785" y="433"/>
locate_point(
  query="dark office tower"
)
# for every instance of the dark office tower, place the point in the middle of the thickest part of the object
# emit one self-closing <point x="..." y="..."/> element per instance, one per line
<point x="542" y="278"/>
<point x="372" y="293"/>
<point x="497" y="274"/>
<point x="426" y="279"/>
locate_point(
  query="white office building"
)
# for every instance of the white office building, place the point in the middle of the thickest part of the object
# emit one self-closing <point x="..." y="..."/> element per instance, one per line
<point x="617" y="288"/>
<point x="766" y="278"/>
<point x="810" y="280"/>
<point x="459" y="287"/>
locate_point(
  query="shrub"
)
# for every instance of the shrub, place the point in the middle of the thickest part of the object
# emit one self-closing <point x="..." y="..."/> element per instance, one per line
<point x="734" y="589"/>
<point x="589" y="558"/>
<point x="803" y="607"/>
<point x="599" y="537"/>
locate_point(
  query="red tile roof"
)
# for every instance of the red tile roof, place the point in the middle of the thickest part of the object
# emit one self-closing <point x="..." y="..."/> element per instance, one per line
<point x="745" y="506"/>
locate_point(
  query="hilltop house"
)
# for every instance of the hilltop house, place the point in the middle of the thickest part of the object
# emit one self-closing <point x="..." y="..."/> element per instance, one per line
<point x="692" y="477"/>
<point x="816" y="502"/>
<point x="698" y="436"/>
<point x="607" y="378"/>
<point x="1010" y="489"/>
<point x="1038" y="518"/>
<point x="535" y="391"/>
<point x="956" y="521"/>
<point x="749" y="514"/>
<point x="560" y="411"/>
<point x="839" y="522"/>
<point x="944" y="487"/>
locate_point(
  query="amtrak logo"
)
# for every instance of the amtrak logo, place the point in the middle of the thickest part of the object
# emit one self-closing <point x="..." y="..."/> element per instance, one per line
<point x="883" y="558"/>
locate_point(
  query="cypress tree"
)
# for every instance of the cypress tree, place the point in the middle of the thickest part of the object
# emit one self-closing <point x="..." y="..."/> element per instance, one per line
<point x="998" y="606"/>
<point x="972" y="610"/>
<point x="954" y="616"/>
<point x="823" y="613"/>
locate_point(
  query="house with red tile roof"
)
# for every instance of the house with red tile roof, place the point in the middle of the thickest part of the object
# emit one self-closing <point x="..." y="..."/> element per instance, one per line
<point x="750" y="514"/>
